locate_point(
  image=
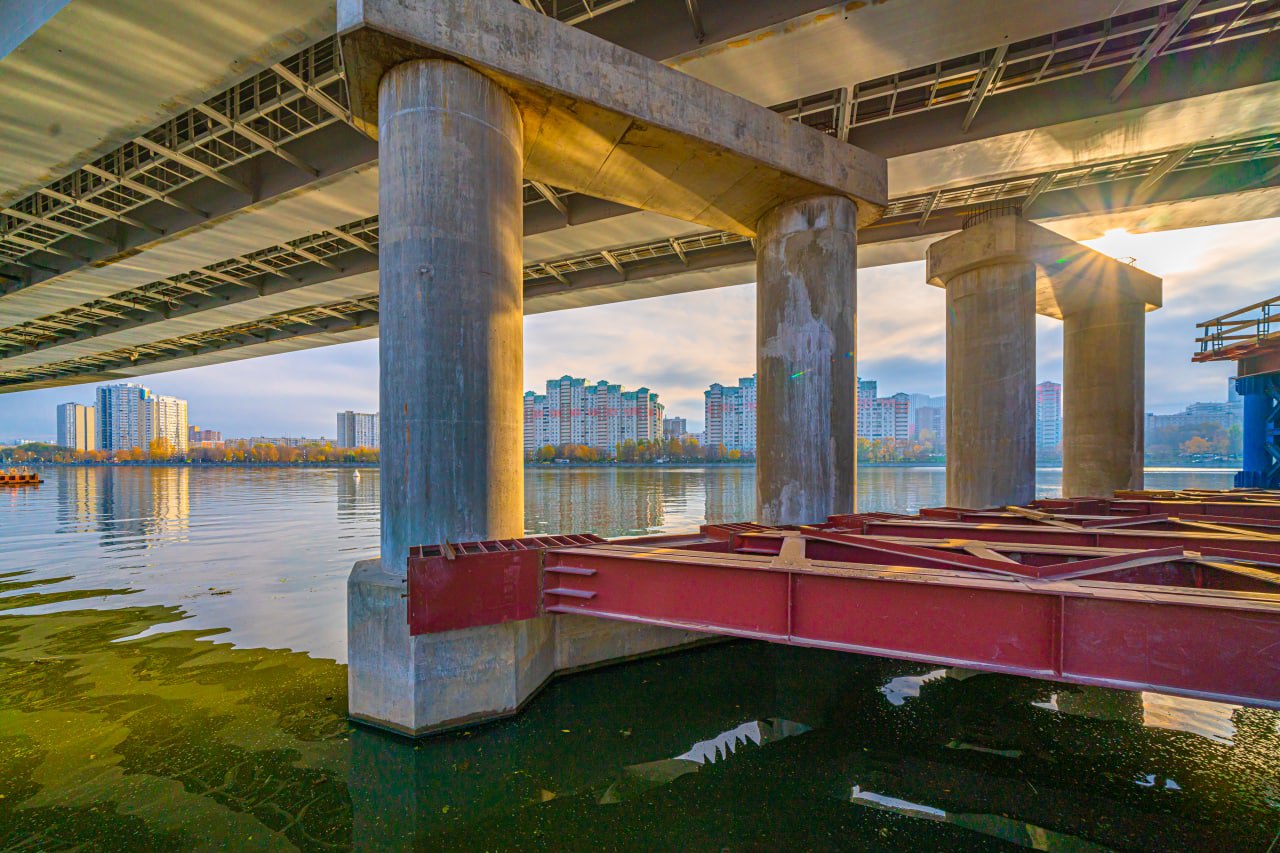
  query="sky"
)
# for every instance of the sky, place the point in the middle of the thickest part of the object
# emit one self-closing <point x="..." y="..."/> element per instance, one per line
<point x="678" y="345"/>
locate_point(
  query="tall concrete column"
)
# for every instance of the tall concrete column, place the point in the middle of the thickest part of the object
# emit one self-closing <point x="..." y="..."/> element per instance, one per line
<point x="451" y="331"/>
<point x="991" y="378"/>
<point x="807" y="386"/>
<point x="990" y="275"/>
<point x="1104" y="370"/>
<point x="452" y="308"/>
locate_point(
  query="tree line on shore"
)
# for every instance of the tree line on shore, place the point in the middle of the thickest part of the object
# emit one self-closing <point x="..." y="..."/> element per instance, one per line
<point x="162" y="451"/>
<point x="1195" y="442"/>
<point x="687" y="449"/>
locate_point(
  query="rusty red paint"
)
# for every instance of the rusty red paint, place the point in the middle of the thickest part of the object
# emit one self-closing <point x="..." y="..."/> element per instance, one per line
<point x="463" y="585"/>
<point x="1093" y="591"/>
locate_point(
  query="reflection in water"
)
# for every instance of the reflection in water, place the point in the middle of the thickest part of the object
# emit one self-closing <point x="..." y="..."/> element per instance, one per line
<point x="1207" y="719"/>
<point x="133" y="508"/>
<point x="905" y="687"/>
<point x="999" y="826"/>
<point x="141" y="710"/>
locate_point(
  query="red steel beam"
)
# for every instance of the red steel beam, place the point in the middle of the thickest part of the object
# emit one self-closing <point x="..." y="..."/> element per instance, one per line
<point x="1210" y="644"/>
<point x="1044" y="534"/>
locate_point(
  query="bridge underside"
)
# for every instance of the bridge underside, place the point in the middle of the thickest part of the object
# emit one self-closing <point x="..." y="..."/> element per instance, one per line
<point x="244" y="223"/>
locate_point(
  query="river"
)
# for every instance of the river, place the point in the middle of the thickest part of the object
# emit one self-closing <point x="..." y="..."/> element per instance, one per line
<point x="171" y="676"/>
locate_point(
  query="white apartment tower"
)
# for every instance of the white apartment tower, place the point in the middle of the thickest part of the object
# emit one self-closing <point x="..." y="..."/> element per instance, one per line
<point x="165" y="417"/>
<point x="1048" y="416"/>
<point x="731" y="415"/>
<point x="357" y="429"/>
<point x="77" y="427"/>
<point x="121" y="416"/>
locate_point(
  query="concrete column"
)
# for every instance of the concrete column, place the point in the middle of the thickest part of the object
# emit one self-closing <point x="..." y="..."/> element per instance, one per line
<point x="452" y="308"/>
<point x="806" y="313"/>
<point x="1104" y="371"/>
<point x="991" y="377"/>
<point x="451" y="345"/>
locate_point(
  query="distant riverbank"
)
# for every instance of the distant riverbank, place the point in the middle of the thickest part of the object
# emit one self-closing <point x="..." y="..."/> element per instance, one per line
<point x="182" y="463"/>
<point x="693" y="463"/>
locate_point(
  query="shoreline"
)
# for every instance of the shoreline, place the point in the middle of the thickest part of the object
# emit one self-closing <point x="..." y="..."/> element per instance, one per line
<point x="553" y="466"/>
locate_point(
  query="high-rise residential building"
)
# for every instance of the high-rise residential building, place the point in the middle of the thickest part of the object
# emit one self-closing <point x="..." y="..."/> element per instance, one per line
<point x="675" y="428"/>
<point x="866" y="402"/>
<point x="730" y="412"/>
<point x="121" y="416"/>
<point x="1048" y="417"/>
<point x="357" y="429"/>
<point x="197" y="437"/>
<point x="600" y="416"/>
<point x="164" y="418"/>
<point x="129" y="416"/>
<point x="77" y="427"/>
<point x="930" y="425"/>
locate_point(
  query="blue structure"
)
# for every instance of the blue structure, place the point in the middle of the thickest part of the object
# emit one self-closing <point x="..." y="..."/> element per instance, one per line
<point x="1261" y="431"/>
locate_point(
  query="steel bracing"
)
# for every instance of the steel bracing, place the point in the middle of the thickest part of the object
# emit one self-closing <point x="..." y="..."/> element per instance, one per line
<point x="1129" y="41"/>
<point x="1173" y="592"/>
<point x="260" y="115"/>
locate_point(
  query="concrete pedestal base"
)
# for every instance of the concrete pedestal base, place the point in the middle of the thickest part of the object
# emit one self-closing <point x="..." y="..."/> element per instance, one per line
<point x="435" y="682"/>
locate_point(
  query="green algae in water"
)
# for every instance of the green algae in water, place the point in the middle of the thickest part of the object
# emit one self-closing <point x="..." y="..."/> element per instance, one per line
<point x="165" y="742"/>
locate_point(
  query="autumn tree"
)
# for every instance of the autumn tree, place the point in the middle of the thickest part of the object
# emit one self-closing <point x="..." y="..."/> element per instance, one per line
<point x="160" y="449"/>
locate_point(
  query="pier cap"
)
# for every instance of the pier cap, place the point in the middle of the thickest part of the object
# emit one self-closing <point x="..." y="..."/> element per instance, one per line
<point x="602" y="120"/>
<point x="1069" y="275"/>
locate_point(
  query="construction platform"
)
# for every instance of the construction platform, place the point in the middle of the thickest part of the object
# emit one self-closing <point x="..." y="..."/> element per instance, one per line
<point x="1175" y="592"/>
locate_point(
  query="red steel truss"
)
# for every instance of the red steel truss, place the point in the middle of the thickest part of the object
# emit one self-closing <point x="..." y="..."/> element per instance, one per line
<point x="1140" y="592"/>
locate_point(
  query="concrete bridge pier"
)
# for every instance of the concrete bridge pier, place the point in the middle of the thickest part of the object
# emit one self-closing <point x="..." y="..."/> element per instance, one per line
<point x="1104" y="371"/>
<point x="467" y="100"/>
<point x="999" y="272"/>
<point x="451" y="360"/>
<point x="806" y="313"/>
<point x="991" y="363"/>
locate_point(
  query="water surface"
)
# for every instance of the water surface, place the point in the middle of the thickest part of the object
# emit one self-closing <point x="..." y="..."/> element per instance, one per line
<point x="171" y="643"/>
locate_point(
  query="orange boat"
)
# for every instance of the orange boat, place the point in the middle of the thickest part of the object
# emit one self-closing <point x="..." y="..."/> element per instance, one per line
<point x="19" y="477"/>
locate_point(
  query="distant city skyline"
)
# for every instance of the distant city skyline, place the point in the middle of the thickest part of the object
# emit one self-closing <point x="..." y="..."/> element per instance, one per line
<point x="680" y="344"/>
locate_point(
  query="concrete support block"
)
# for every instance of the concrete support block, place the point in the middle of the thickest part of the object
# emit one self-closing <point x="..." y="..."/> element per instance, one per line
<point x="1104" y="372"/>
<point x="991" y="377"/>
<point x="436" y="682"/>
<point x="451" y="349"/>
<point x="806" y="321"/>
<point x="583" y="642"/>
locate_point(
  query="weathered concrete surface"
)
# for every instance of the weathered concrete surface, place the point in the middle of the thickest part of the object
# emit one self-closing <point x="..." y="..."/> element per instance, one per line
<point x="1103" y="377"/>
<point x="604" y="121"/>
<point x="806" y="321"/>
<point x="1066" y="272"/>
<point x="433" y="682"/>
<point x="991" y="365"/>
<point x="451" y="314"/>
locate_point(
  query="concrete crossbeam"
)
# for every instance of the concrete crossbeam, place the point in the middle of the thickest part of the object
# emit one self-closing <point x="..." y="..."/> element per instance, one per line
<point x="1066" y="272"/>
<point x="604" y="121"/>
